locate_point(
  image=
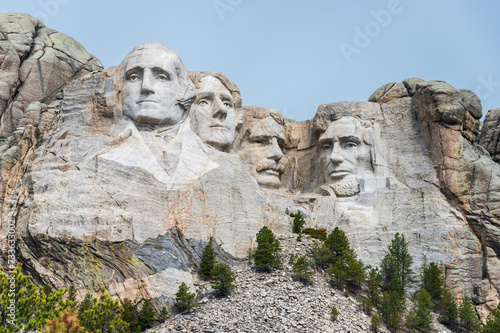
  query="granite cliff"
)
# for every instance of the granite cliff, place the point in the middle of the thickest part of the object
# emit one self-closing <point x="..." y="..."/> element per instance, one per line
<point x="120" y="177"/>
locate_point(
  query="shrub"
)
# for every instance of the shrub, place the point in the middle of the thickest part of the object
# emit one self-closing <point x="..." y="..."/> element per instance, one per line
<point x="222" y="278"/>
<point x="184" y="299"/>
<point x="316" y="233"/>
<point x="302" y="269"/>
<point x="66" y="322"/>
<point x="267" y="254"/>
<point x="207" y="262"/>
<point x="334" y="314"/>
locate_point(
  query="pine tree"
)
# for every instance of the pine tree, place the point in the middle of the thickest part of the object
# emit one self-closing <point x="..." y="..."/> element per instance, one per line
<point x="222" y="279"/>
<point x="301" y="268"/>
<point x="449" y="311"/>
<point x="164" y="315"/>
<point x="34" y="305"/>
<point x="322" y="256"/>
<point x="207" y="262"/>
<point x="130" y="314"/>
<point x="374" y="281"/>
<point x="104" y="316"/>
<point x="338" y="244"/>
<point x="375" y="324"/>
<point x="396" y="266"/>
<point x="72" y="294"/>
<point x="346" y="269"/>
<point x="184" y="299"/>
<point x="391" y="306"/>
<point x="267" y="255"/>
<point x="433" y="283"/>
<point x="298" y="222"/>
<point x="85" y="305"/>
<point x="147" y="315"/>
<point x="469" y="320"/>
<point x="423" y="309"/>
<point x="493" y="321"/>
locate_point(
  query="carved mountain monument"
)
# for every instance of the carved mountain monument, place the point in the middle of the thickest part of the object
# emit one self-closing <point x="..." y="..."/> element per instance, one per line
<point x="120" y="177"/>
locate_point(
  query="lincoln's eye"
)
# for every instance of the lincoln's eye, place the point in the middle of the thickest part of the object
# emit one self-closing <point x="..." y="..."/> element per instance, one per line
<point x="327" y="146"/>
<point x="351" y="145"/>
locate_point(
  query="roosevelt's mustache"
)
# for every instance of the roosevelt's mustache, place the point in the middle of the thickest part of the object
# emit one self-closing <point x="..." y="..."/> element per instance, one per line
<point x="270" y="165"/>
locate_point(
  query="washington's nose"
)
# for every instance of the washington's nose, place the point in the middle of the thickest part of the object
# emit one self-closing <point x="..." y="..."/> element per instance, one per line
<point x="220" y="110"/>
<point x="275" y="152"/>
<point x="337" y="155"/>
<point x="147" y="85"/>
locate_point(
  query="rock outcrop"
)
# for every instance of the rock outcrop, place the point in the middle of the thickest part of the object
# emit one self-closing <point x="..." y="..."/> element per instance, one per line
<point x="109" y="184"/>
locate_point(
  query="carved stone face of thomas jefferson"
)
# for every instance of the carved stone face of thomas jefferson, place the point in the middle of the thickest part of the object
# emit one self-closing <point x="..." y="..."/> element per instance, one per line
<point x="151" y="87"/>
<point x="213" y="115"/>
<point x="262" y="153"/>
<point x="344" y="155"/>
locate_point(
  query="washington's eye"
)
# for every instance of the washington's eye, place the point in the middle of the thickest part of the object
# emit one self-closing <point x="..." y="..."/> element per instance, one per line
<point x="133" y="77"/>
<point x="350" y="145"/>
<point x="202" y="102"/>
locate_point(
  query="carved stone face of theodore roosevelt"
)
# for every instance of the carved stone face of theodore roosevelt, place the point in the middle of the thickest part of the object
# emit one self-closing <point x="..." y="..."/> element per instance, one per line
<point x="262" y="152"/>
<point x="344" y="155"/>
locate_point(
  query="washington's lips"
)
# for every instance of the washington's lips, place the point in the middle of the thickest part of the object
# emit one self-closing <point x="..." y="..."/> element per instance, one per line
<point x="147" y="101"/>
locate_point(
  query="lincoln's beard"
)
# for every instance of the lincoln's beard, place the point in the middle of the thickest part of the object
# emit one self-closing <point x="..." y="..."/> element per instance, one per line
<point x="346" y="187"/>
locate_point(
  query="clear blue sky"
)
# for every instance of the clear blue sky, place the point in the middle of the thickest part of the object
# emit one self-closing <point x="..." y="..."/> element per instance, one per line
<point x="295" y="55"/>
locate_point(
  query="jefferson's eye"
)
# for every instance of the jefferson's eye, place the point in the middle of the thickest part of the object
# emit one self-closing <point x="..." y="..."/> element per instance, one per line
<point x="350" y="145"/>
<point x="228" y="104"/>
<point x="162" y="77"/>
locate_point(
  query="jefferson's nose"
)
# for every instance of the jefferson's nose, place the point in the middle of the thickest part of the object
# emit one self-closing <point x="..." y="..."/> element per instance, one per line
<point x="220" y="110"/>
